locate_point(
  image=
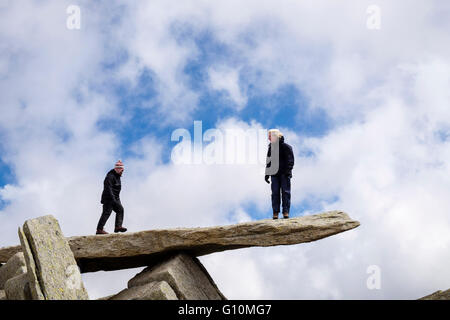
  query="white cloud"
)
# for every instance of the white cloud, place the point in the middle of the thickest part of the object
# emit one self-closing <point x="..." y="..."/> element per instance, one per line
<point x="227" y="80"/>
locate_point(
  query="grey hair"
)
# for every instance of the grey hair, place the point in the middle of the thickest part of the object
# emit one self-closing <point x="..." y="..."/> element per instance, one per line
<point x="276" y="132"/>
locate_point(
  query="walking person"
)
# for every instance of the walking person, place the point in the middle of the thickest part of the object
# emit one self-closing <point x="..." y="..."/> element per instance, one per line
<point x="111" y="199"/>
<point x="280" y="162"/>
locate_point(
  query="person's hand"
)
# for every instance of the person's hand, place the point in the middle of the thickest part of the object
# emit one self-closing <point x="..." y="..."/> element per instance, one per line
<point x="267" y="178"/>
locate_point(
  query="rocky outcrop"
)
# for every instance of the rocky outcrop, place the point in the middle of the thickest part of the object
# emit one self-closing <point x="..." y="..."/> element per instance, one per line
<point x="138" y="249"/>
<point x="156" y="290"/>
<point x="12" y="268"/>
<point x="7" y="252"/>
<point x="14" y="280"/>
<point x="185" y="275"/>
<point x="18" y="288"/>
<point x="54" y="268"/>
<point x="45" y="266"/>
<point x="438" y="295"/>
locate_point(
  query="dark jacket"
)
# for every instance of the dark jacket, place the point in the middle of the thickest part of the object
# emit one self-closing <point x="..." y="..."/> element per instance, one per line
<point x="111" y="187"/>
<point x="286" y="158"/>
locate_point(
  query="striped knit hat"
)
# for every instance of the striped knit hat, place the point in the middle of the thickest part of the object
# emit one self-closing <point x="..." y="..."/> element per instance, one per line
<point x="119" y="164"/>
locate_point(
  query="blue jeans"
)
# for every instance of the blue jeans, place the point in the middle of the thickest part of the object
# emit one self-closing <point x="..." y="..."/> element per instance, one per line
<point x="281" y="183"/>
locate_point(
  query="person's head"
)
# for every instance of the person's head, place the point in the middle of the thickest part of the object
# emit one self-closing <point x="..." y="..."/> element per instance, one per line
<point x="274" y="135"/>
<point x="119" y="167"/>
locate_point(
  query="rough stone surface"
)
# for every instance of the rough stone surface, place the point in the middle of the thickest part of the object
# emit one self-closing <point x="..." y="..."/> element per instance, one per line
<point x="56" y="269"/>
<point x="35" y="289"/>
<point x="8" y="252"/>
<point x="11" y="268"/>
<point x="185" y="275"/>
<point x="2" y="295"/>
<point x="107" y="297"/>
<point x="157" y="290"/>
<point x="18" y="288"/>
<point x="21" y="270"/>
<point x="438" y="295"/>
<point x="138" y="249"/>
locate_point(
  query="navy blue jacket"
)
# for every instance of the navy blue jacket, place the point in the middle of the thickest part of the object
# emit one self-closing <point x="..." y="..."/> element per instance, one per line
<point x="286" y="158"/>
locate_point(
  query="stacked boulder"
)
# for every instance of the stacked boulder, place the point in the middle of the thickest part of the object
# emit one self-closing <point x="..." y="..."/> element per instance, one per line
<point x="178" y="276"/>
<point x="14" y="283"/>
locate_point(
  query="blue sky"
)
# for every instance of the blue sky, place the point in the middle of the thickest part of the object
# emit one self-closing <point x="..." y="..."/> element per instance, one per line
<point x="6" y="177"/>
<point x="286" y="107"/>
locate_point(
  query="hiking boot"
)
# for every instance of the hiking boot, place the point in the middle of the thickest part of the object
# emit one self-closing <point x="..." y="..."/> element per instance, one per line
<point x="101" y="231"/>
<point x="275" y="215"/>
<point x="286" y="215"/>
<point x="120" y="229"/>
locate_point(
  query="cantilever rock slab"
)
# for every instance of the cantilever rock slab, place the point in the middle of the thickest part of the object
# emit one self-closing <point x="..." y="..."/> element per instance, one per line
<point x="138" y="249"/>
<point x="438" y="295"/>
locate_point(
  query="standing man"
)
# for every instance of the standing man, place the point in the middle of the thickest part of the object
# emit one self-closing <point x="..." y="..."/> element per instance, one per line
<point x="111" y="199"/>
<point x="280" y="162"/>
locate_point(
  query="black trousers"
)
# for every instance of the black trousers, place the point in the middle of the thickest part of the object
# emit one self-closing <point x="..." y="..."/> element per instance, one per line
<point x="107" y="209"/>
<point x="281" y="183"/>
